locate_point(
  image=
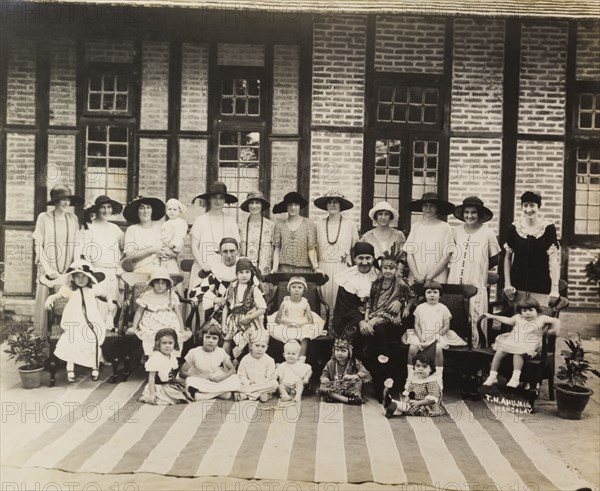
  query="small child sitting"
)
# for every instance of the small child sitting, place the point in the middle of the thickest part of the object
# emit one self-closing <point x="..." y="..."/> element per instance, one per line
<point x="292" y="375"/>
<point x="422" y="395"/>
<point x="257" y="370"/>
<point x="525" y="339"/>
<point x="344" y="376"/>
<point x="295" y="319"/>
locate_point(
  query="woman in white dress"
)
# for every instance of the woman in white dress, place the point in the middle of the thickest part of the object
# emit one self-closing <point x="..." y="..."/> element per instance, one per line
<point x="476" y="248"/>
<point x="209" y="229"/>
<point x="336" y="236"/>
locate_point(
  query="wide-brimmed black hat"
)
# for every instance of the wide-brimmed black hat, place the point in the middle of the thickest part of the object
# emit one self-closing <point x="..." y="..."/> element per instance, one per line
<point x="443" y="207"/>
<point x="217" y="187"/>
<point x="60" y="191"/>
<point x="131" y="210"/>
<point x="289" y="198"/>
<point x="103" y="199"/>
<point x="255" y="196"/>
<point x="484" y="214"/>
<point x="321" y="201"/>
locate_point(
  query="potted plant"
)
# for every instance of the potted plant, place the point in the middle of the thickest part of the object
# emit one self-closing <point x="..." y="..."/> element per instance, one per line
<point x="573" y="396"/>
<point x="25" y="347"/>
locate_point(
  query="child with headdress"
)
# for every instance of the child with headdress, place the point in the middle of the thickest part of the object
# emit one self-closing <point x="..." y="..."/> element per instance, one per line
<point x="157" y="309"/>
<point x="244" y="308"/>
<point x="344" y="376"/>
<point x="83" y="326"/>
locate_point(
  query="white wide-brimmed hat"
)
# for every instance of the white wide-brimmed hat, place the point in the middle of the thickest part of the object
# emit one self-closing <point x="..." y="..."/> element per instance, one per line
<point x="383" y="206"/>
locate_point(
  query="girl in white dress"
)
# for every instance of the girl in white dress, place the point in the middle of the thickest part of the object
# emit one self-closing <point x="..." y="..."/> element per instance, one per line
<point x="257" y="370"/>
<point x="525" y="339"/>
<point x="83" y="326"/>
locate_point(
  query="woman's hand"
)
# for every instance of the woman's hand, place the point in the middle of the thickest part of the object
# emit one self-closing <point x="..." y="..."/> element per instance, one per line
<point x="220" y="301"/>
<point x="244" y="321"/>
<point x="553" y="298"/>
<point x="394" y="307"/>
<point x="365" y="328"/>
<point x="49" y="302"/>
<point x="405" y="312"/>
<point x="509" y="292"/>
<point x="216" y="376"/>
<point x="52" y="274"/>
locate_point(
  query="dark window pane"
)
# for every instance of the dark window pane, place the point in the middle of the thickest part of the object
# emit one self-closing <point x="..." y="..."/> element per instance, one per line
<point x="122" y="83"/>
<point x="400" y="112"/>
<point x="96" y="149"/>
<point x="384" y="112"/>
<point x="226" y="106"/>
<point x="94" y="102"/>
<point x="117" y="163"/>
<point x="432" y="148"/>
<point x="118" y="150"/>
<point x="418" y="162"/>
<point x="582" y="168"/>
<point x="582" y="153"/>
<point x="394" y="160"/>
<point x="254" y="87"/>
<point x="395" y="146"/>
<point x="240" y="106"/>
<point x="118" y="134"/>
<point x="431" y="96"/>
<point x="228" y="153"/>
<point x="98" y="133"/>
<point x="414" y="114"/>
<point x="227" y="87"/>
<point x="595" y="153"/>
<point x="432" y="162"/>
<point x="419" y="147"/>
<point x="228" y="138"/>
<point x="594" y="168"/>
<point x="241" y="87"/>
<point x="401" y="94"/>
<point x="385" y="94"/>
<point x="121" y="102"/>
<point x="597" y="120"/>
<point x="109" y="83"/>
<point x="430" y="114"/>
<point x="585" y="120"/>
<point x="253" y="107"/>
<point x="96" y="162"/>
<point x="95" y="82"/>
<point x="108" y="102"/>
<point x="415" y="94"/>
<point x="586" y="101"/>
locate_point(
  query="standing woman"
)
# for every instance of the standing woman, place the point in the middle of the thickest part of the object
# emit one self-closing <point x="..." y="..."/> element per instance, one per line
<point x="256" y="233"/>
<point x="476" y="250"/>
<point x="336" y="237"/>
<point x="295" y="238"/>
<point x="55" y="247"/>
<point x="430" y="242"/>
<point x="383" y="236"/>
<point x="209" y="229"/>
<point x="143" y="245"/>
<point x="102" y="247"/>
<point x="532" y="260"/>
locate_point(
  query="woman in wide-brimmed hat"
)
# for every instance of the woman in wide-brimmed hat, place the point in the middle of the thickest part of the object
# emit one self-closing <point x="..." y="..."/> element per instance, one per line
<point x="56" y="246"/>
<point x="430" y="242"/>
<point x="256" y="232"/>
<point x="295" y="238"/>
<point x="209" y="229"/>
<point x="336" y="235"/>
<point x="532" y="260"/>
<point x="383" y="236"/>
<point x="102" y="246"/>
<point x="143" y="246"/>
<point x="476" y="247"/>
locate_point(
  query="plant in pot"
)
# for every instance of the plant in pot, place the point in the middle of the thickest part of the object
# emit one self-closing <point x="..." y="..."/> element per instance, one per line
<point x="573" y="396"/>
<point x="25" y="347"/>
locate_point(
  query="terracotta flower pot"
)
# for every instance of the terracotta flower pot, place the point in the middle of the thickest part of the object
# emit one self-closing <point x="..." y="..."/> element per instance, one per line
<point x="31" y="379"/>
<point x="571" y="400"/>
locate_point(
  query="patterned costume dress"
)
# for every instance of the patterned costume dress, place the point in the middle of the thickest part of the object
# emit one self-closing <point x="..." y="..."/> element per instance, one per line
<point x="167" y="390"/>
<point x="427" y="388"/>
<point x="381" y="299"/>
<point x="335" y="372"/>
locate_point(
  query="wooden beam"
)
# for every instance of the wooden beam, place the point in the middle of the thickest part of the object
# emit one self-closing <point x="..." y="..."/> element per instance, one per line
<point x="174" y="121"/>
<point x="305" y="106"/>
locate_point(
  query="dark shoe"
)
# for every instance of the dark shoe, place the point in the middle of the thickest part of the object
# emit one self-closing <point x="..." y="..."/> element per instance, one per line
<point x="355" y="400"/>
<point x="387" y="398"/>
<point x="391" y="409"/>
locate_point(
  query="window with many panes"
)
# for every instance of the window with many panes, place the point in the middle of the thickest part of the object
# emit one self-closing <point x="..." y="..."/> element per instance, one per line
<point x="108" y="121"/>
<point x="409" y="140"/>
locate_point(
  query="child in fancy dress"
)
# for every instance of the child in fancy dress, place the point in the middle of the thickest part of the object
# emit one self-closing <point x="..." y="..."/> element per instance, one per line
<point x="244" y="309"/>
<point x="257" y="370"/>
<point x="525" y="339"/>
<point x="83" y="327"/>
<point x="295" y="319"/>
<point x="162" y="366"/>
<point x="344" y="376"/>
<point x="422" y="395"/>
<point x="292" y="375"/>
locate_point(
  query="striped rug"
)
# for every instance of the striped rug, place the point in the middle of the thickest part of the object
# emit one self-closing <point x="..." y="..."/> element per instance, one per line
<point x="107" y="431"/>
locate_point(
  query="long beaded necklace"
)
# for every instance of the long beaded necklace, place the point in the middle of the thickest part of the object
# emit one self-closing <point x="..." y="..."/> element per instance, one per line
<point x="338" y="230"/>
<point x="259" y="240"/>
<point x="64" y="268"/>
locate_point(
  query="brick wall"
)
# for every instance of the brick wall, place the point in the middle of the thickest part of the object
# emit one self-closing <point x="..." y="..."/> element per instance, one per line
<point x="192" y="175"/>
<point x="63" y="72"/>
<point x="20" y="84"/>
<point x="542" y="84"/>
<point x="540" y="168"/>
<point x="61" y="161"/>
<point x="286" y="66"/>
<point x="18" y="257"/>
<point x="582" y="293"/>
<point x="241" y="54"/>
<point x="588" y="51"/>
<point x="109" y="51"/>
<point x="153" y="168"/>
<point x="284" y="169"/>
<point x="20" y="176"/>
<point x="477" y="75"/>
<point x="194" y="87"/>
<point x="339" y="71"/>
<point x="155" y="85"/>
<point x="475" y="169"/>
<point x="336" y="163"/>
<point x="409" y="44"/>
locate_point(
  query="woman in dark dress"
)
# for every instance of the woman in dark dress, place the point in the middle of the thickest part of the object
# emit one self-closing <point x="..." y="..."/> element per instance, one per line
<point x="532" y="261"/>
